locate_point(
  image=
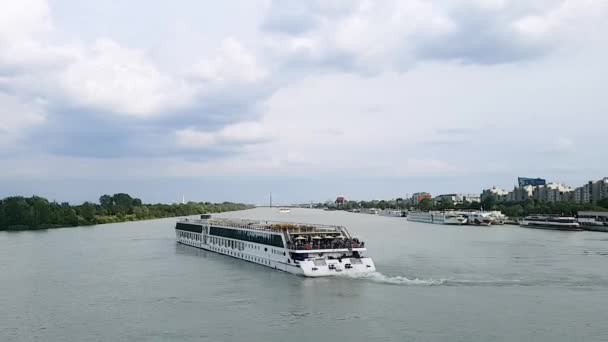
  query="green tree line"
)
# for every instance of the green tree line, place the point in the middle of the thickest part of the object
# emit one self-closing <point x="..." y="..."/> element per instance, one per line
<point x="511" y="209"/>
<point x="24" y="213"/>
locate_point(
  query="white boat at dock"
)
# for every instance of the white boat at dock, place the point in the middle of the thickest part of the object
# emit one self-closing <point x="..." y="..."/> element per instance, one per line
<point x="372" y="211"/>
<point x="499" y="217"/>
<point x="392" y="213"/>
<point x="552" y="222"/>
<point x="438" y="217"/>
<point x="479" y="218"/>
<point x="593" y="220"/>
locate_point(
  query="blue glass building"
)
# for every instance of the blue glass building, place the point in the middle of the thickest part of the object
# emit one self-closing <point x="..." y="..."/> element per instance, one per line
<point x="522" y="181"/>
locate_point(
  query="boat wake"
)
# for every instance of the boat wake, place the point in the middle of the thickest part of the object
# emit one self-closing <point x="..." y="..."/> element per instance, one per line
<point x="378" y="277"/>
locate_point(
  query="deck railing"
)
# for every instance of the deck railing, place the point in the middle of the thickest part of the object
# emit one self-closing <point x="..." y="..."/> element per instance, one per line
<point x="274" y="226"/>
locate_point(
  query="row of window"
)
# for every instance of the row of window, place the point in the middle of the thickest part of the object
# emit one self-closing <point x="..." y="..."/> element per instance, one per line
<point x="195" y="228"/>
<point x="277" y="251"/>
<point x="227" y="243"/>
<point x="214" y="240"/>
<point x="189" y="235"/>
<point x="249" y="236"/>
<point x="241" y="255"/>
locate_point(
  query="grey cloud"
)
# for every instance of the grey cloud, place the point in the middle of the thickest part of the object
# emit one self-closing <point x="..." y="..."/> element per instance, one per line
<point x="82" y="132"/>
<point x="456" y="131"/>
<point x="481" y="37"/>
<point x="289" y="23"/>
<point x="295" y="17"/>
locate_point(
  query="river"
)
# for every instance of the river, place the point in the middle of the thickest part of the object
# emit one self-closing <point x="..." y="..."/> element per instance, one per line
<point x="132" y="282"/>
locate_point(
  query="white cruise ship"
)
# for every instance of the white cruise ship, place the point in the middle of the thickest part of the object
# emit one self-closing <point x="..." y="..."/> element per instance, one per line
<point x="311" y="250"/>
<point x="436" y="217"/>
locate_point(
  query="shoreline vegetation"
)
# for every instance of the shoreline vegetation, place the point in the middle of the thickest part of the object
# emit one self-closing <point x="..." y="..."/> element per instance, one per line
<point x="510" y="209"/>
<point x="19" y="213"/>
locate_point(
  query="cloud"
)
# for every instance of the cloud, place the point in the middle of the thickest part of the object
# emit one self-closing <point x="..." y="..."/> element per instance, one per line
<point x="370" y="37"/>
<point x="16" y="120"/>
<point x="103" y="99"/>
<point x="316" y="89"/>
<point x="231" y="64"/>
<point x="242" y="133"/>
<point x="115" y="79"/>
<point x="567" y="17"/>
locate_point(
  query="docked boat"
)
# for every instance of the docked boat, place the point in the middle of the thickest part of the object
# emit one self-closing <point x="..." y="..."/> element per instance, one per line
<point x="420" y="216"/>
<point x="498" y="218"/>
<point x="593" y="219"/>
<point x="372" y="211"/>
<point x="454" y="218"/>
<point x="550" y="222"/>
<point x="437" y="217"/>
<point x="392" y="213"/>
<point x="284" y="210"/>
<point x="310" y="250"/>
<point x="479" y="218"/>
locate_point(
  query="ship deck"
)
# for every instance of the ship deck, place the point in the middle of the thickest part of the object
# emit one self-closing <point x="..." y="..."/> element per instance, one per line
<point x="275" y="226"/>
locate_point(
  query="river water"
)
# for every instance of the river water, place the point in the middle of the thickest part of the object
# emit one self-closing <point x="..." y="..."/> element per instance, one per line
<point x="132" y="282"/>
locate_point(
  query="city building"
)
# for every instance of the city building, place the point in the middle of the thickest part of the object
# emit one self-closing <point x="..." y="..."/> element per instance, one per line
<point x="341" y="200"/>
<point x="471" y="198"/>
<point x="498" y="194"/>
<point x="538" y="189"/>
<point x="599" y="190"/>
<point x="454" y="198"/>
<point x="553" y="192"/>
<point x="583" y="194"/>
<point x="520" y="194"/>
<point x="419" y="196"/>
<point x="523" y="182"/>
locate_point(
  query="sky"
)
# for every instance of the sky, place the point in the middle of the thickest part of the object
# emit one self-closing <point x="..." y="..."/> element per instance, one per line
<point x="230" y="100"/>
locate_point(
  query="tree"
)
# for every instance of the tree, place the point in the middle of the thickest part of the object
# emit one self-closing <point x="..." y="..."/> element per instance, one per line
<point x="123" y="203"/>
<point x="41" y="210"/>
<point x="18" y="212"/>
<point x="426" y="204"/>
<point x="382" y="205"/>
<point x="141" y="212"/>
<point x="87" y="211"/>
<point x="446" y="203"/>
<point x="106" y="202"/>
<point x="488" y="202"/>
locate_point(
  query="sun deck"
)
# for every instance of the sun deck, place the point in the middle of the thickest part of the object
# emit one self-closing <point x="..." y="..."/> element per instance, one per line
<point x="300" y="237"/>
<point x="275" y="226"/>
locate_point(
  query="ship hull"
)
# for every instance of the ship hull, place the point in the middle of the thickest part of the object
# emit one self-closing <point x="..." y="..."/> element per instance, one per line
<point x="276" y="258"/>
<point x="551" y="227"/>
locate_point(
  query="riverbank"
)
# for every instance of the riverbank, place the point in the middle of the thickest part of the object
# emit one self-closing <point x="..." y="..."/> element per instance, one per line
<point x="35" y="213"/>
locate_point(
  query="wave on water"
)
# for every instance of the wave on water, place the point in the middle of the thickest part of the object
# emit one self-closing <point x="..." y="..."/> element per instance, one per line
<point x="397" y="280"/>
<point x="402" y="280"/>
